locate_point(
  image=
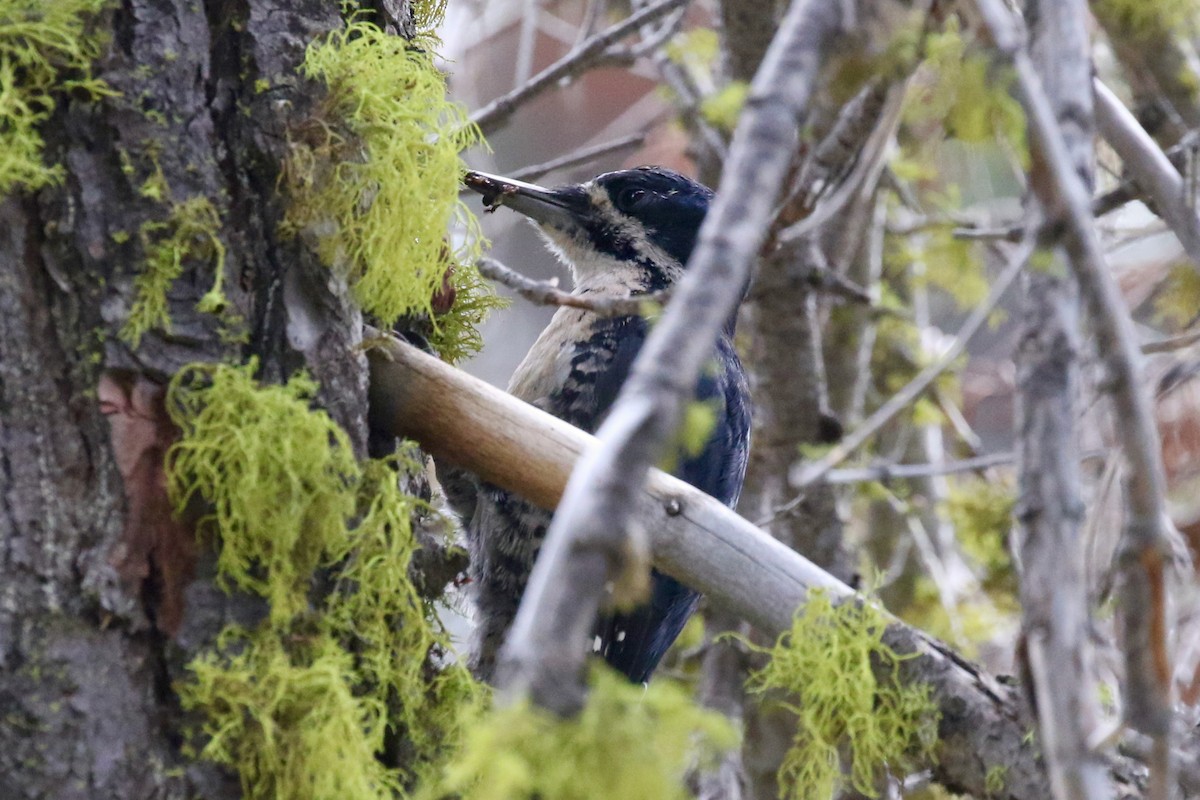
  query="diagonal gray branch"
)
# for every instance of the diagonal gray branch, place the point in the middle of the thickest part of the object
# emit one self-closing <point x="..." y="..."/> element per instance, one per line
<point x="547" y="293"/>
<point x="742" y="570"/>
<point x="581" y="156"/>
<point x="1151" y="169"/>
<point x="496" y="113"/>
<point x="544" y="654"/>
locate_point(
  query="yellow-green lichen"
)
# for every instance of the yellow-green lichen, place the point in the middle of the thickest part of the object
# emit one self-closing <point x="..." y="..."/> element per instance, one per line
<point x="455" y="335"/>
<point x="949" y="263"/>
<point x="289" y="724"/>
<point x="1147" y="20"/>
<point x="697" y="49"/>
<point x="375" y="179"/>
<point x="280" y="478"/>
<point x="300" y="706"/>
<point x="190" y="231"/>
<point x="46" y="49"/>
<point x="722" y="109"/>
<point x="628" y="743"/>
<point x="971" y="622"/>
<point x="964" y="92"/>
<point x="981" y="511"/>
<point x="699" y="422"/>
<point x="1178" y="302"/>
<point x="994" y="780"/>
<point x="427" y="15"/>
<point x="827" y="670"/>
<point x="155" y="186"/>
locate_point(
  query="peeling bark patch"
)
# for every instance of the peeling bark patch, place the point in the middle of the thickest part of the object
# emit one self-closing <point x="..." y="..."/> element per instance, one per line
<point x="1152" y="562"/>
<point x="156" y="556"/>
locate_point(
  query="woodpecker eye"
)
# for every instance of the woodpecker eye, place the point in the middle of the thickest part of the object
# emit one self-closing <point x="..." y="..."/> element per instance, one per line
<point x="629" y="199"/>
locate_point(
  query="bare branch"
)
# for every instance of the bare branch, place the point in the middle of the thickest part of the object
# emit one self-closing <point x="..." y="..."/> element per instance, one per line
<point x="1055" y="612"/>
<point x="1011" y="233"/>
<point x="838" y="152"/>
<point x="1172" y="343"/>
<point x="876" y="111"/>
<point x="591" y="18"/>
<point x="1150" y="168"/>
<point x="1160" y="64"/>
<point x="547" y="293"/>
<point x="580" y="156"/>
<point x="698" y="540"/>
<point x="497" y="113"/>
<point x="652" y="39"/>
<point x="1178" y="154"/>
<point x="896" y="472"/>
<point x="1187" y="759"/>
<point x="806" y="474"/>
<point x="676" y="77"/>
<point x="1144" y="546"/>
<point x="543" y="655"/>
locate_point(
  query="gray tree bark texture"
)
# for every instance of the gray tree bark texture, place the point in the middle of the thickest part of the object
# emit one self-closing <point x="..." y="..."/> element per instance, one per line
<point x="102" y="597"/>
<point x="789" y="406"/>
<point x="1054" y="593"/>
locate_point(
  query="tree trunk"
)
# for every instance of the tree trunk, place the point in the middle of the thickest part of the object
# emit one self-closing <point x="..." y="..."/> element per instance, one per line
<point x="105" y="595"/>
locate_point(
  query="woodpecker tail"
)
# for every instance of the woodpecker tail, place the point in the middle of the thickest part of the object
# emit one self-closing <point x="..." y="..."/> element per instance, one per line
<point x="634" y="642"/>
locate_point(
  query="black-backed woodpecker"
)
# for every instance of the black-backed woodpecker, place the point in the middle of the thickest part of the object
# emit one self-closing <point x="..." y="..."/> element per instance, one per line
<point x="622" y="233"/>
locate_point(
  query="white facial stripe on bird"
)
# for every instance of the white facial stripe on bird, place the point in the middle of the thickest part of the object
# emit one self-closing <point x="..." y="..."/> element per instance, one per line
<point x="587" y="265"/>
<point x="632" y="228"/>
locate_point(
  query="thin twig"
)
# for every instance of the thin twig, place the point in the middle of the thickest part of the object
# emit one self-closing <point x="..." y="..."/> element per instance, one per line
<point x="1171" y="343"/>
<point x="958" y="422"/>
<point x="836" y="154"/>
<point x="1150" y="167"/>
<point x="1127" y="191"/>
<point x="824" y="279"/>
<point x="591" y="17"/>
<point x="1009" y="233"/>
<point x="651" y="39"/>
<point x="883" y="473"/>
<point x="579" y="157"/>
<point x="496" y="113"/>
<point x="547" y="293"/>
<point x="676" y="77"/>
<point x="804" y="475"/>
<point x="877" y="114"/>
<point x="895" y="472"/>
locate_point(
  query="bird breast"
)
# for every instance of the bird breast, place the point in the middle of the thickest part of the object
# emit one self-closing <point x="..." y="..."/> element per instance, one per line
<point x="548" y="364"/>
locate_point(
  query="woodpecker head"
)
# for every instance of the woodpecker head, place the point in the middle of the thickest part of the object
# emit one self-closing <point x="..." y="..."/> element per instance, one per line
<point x="637" y="222"/>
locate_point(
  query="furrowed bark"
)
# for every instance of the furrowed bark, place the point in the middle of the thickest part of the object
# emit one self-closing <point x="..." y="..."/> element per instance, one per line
<point x="104" y="597"/>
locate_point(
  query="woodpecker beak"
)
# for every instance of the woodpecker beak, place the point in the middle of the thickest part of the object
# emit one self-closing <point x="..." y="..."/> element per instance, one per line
<point x="560" y="208"/>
